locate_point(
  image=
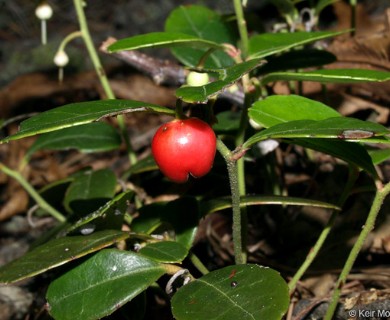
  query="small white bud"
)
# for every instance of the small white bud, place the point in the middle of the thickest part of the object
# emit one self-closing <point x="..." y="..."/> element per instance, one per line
<point x="267" y="146"/>
<point x="61" y="59"/>
<point x="44" y="11"/>
<point x="197" y="79"/>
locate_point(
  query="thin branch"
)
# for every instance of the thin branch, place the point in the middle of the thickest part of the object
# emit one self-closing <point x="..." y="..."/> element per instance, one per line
<point x="369" y="225"/>
<point x="78" y="4"/>
<point x="239" y="216"/>
<point x="32" y="192"/>
<point x="161" y="71"/>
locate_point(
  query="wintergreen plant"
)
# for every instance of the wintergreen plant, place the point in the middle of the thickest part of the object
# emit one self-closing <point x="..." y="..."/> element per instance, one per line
<point x="93" y="212"/>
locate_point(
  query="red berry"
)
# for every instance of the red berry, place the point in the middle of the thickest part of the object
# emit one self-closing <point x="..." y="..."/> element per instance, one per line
<point x="184" y="147"/>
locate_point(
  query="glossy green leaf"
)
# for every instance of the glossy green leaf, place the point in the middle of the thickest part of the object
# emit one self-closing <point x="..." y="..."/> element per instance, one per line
<point x="329" y="75"/>
<point x="350" y="152"/>
<point x="165" y="251"/>
<point x="108" y="216"/>
<point x="235" y="292"/>
<point x="338" y="127"/>
<point x="89" y="191"/>
<point x="143" y="165"/>
<point x="180" y="215"/>
<point x="278" y="109"/>
<point x="297" y="59"/>
<point x="57" y="252"/>
<point x="379" y="155"/>
<point x="218" y="204"/>
<point x="266" y="44"/>
<point x="228" y="77"/>
<point x="151" y="216"/>
<point x="378" y="140"/>
<point x="101" y="285"/>
<point x="91" y="137"/>
<point x="227" y="121"/>
<point x="54" y="192"/>
<point x="162" y="39"/>
<point x="80" y="113"/>
<point x="202" y="23"/>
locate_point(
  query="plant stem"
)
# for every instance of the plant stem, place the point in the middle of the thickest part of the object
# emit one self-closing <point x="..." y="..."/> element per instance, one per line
<point x="44" y="32"/>
<point x="238" y="215"/>
<point x="198" y="264"/>
<point x="101" y="73"/>
<point x="241" y="23"/>
<point x="69" y="38"/>
<point x="239" y="167"/>
<point x="380" y="196"/>
<point x="204" y="57"/>
<point x="236" y="169"/>
<point x="91" y="48"/>
<point x="352" y="176"/>
<point x="179" y="110"/>
<point x="353" y="16"/>
<point x="32" y="192"/>
<point x="171" y="269"/>
<point x="239" y="140"/>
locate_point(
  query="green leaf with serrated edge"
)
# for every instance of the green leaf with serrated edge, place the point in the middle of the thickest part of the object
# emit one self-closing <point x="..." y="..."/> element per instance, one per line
<point x="91" y="137"/>
<point x="57" y="252"/>
<point x="379" y="155"/>
<point x="165" y="251"/>
<point x="227" y="121"/>
<point x="234" y="292"/>
<point x="162" y="39"/>
<point x="350" y="152"/>
<point x="296" y="59"/>
<point x="101" y="285"/>
<point x="199" y="21"/>
<point x="228" y="77"/>
<point x="80" y="113"/>
<point x="180" y="215"/>
<point x="329" y="76"/>
<point x="218" y="204"/>
<point x="337" y="128"/>
<point x="90" y="190"/>
<point x="266" y="44"/>
<point x="278" y="109"/>
<point x="109" y="215"/>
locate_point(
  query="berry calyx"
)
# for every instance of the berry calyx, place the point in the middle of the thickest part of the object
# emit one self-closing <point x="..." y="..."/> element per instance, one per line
<point x="184" y="147"/>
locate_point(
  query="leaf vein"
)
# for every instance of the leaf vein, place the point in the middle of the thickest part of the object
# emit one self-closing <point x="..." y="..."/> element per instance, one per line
<point x="227" y="297"/>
